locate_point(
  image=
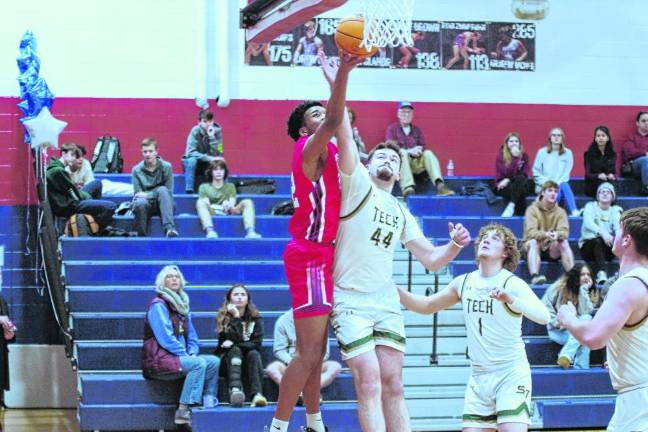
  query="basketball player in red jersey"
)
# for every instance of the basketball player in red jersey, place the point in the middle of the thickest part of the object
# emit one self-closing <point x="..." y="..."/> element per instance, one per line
<point x="308" y="257"/>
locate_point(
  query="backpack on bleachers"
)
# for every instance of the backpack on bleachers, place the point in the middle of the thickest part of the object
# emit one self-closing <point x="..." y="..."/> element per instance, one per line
<point x="283" y="208"/>
<point x="81" y="225"/>
<point x="106" y="156"/>
<point x="255" y="186"/>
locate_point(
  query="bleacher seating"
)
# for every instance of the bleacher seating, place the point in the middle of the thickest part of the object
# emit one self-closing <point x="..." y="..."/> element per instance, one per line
<point x="110" y="282"/>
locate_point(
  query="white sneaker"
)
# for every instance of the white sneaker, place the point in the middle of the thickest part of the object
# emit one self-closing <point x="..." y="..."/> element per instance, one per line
<point x="211" y="234"/>
<point x="252" y="235"/>
<point x="576" y="213"/>
<point x="509" y="210"/>
<point x="601" y="277"/>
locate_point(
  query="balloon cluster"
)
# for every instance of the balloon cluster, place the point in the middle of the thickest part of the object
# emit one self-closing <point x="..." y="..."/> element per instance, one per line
<point x="36" y="97"/>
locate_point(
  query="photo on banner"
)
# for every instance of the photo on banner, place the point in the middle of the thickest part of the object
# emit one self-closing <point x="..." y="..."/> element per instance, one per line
<point x="437" y="45"/>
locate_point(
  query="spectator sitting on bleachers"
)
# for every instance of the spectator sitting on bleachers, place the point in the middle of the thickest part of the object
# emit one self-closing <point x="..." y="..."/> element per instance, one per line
<point x="574" y="286"/>
<point x="600" y="161"/>
<point x="204" y="145"/>
<point x="555" y="162"/>
<point x="512" y="175"/>
<point x="218" y="196"/>
<point x="635" y="151"/>
<point x="239" y="329"/>
<point x="285" y="344"/>
<point x="8" y="335"/>
<point x="600" y="224"/>
<point x="546" y="233"/>
<point x="81" y="173"/>
<point x="414" y="156"/>
<point x="65" y="197"/>
<point x="171" y="347"/>
<point x="362" y="149"/>
<point x="153" y="187"/>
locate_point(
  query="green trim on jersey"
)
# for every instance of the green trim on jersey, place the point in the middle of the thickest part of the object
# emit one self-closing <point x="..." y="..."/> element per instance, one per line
<point x="511" y="311"/>
<point x="486" y="419"/>
<point x="391" y="336"/>
<point x="515" y="412"/>
<point x="635" y="326"/>
<point x="360" y="206"/>
<point x="395" y="337"/>
<point x="351" y="346"/>
<point x="494" y="417"/>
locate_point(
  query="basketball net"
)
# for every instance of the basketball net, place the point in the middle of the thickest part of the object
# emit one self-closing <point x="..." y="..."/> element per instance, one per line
<point x="387" y="22"/>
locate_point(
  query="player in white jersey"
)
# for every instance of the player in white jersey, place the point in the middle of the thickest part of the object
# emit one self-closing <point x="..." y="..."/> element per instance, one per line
<point x="366" y="313"/>
<point x="621" y="324"/>
<point x="493" y="299"/>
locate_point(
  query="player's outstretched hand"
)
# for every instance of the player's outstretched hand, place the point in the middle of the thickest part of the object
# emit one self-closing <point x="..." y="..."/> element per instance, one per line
<point x="566" y="312"/>
<point x="501" y="295"/>
<point x="459" y="234"/>
<point x="328" y="67"/>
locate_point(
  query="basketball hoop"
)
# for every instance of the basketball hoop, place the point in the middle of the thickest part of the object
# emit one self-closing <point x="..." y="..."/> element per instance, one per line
<point x="387" y="22"/>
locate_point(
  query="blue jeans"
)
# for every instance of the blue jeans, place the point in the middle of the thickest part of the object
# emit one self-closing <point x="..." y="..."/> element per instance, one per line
<point x="640" y="169"/>
<point x="201" y="378"/>
<point x="101" y="210"/>
<point x="565" y="190"/>
<point x="577" y="353"/>
<point x="190" y="166"/>
<point x="94" y="188"/>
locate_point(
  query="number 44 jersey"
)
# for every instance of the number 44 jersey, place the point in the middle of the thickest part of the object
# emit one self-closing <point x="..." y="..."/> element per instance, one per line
<point x="372" y="223"/>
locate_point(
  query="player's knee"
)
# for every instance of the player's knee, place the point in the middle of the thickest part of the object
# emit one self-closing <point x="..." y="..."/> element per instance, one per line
<point x="369" y="385"/>
<point x="392" y="385"/>
<point x="310" y="359"/>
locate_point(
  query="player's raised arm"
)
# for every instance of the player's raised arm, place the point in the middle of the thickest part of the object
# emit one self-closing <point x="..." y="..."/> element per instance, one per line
<point x="435" y="257"/>
<point x="619" y="305"/>
<point x="335" y="111"/>
<point x="430" y="304"/>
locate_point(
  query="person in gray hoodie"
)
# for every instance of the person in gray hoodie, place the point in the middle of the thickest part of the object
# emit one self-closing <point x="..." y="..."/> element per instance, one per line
<point x="153" y="187"/>
<point x="204" y="145"/>
<point x="600" y="224"/>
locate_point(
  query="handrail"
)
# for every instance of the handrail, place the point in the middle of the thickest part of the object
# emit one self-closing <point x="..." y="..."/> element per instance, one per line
<point x="434" y="360"/>
<point x="52" y="264"/>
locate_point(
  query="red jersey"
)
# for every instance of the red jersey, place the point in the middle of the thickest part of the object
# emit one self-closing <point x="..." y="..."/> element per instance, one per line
<point x="317" y="203"/>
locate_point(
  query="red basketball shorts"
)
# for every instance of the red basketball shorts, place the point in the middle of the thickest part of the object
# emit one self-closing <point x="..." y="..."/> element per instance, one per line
<point x="309" y="270"/>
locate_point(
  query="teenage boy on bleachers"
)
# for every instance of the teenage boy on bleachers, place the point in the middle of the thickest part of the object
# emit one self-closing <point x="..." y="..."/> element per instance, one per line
<point x="65" y="197"/>
<point x="635" y="151"/>
<point x="82" y="175"/>
<point x="153" y="187"/>
<point x="546" y="233"/>
<point x="204" y="144"/>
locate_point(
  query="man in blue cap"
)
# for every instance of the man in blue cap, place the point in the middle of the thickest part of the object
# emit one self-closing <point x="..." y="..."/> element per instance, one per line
<point x="416" y="158"/>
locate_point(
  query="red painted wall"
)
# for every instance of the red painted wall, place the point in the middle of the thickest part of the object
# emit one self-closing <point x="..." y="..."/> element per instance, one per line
<point x="255" y="140"/>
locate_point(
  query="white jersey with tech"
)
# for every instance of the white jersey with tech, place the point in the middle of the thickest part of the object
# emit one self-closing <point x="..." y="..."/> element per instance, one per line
<point x="372" y="223"/>
<point x="366" y="309"/>
<point x="628" y="366"/>
<point x="494" y="329"/>
<point x="499" y="388"/>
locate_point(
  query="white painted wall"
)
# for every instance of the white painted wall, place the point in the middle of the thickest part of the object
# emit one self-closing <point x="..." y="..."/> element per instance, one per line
<point x="587" y="51"/>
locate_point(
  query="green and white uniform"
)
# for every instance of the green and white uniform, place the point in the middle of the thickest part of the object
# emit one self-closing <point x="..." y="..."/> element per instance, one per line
<point x="366" y="308"/>
<point x="628" y="366"/>
<point x="499" y="388"/>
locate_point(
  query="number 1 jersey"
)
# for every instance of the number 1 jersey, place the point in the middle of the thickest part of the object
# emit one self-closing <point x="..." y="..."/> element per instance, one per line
<point x="372" y="223"/>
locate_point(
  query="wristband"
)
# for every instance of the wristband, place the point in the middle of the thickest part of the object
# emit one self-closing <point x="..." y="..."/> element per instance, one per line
<point x="456" y="244"/>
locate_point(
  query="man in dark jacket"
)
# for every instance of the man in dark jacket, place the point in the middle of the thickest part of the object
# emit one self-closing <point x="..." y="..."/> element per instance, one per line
<point x="635" y="151"/>
<point x="64" y="196"/>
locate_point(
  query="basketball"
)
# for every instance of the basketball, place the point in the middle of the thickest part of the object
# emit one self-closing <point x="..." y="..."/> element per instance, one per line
<point x="348" y="36"/>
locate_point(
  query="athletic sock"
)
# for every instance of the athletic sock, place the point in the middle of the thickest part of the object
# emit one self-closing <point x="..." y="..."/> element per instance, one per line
<point x="278" y="425"/>
<point x="314" y="421"/>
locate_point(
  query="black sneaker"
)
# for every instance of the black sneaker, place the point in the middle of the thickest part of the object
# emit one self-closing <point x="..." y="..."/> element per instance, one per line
<point x="237" y="397"/>
<point x="307" y="429"/>
<point x="182" y="416"/>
